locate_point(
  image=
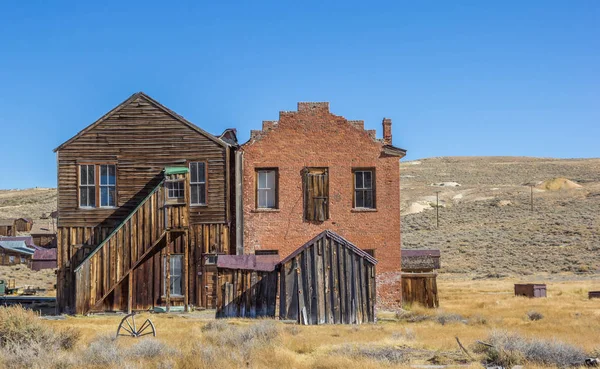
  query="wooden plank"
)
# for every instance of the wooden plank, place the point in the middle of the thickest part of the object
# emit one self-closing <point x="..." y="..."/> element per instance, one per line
<point x="300" y="290"/>
<point x="327" y="281"/>
<point x="320" y="282"/>
<point x="335" y="293"/>
<point x="168" y="273"/>
<point x="185" y="272"/>
<point x="342" y="284"/>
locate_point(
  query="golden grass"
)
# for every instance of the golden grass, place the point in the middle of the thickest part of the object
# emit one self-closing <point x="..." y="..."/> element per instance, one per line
<point x="485" y="305"/>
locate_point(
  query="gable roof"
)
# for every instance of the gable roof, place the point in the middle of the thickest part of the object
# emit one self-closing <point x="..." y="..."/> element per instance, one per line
<point x="334" y="236"/>
<point x="27" y="239"/>
<point x="153" y="102"/>
<point x="16" y="246"/>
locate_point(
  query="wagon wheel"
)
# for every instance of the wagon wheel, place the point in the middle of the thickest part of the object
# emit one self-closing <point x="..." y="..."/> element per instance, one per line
<point x="128" y="328"/>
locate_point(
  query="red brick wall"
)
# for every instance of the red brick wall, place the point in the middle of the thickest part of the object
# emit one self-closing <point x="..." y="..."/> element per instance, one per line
<point x="313" y="137"/>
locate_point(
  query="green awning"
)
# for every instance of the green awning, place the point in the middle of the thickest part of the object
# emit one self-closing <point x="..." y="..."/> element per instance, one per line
<point x="176" y="170"/>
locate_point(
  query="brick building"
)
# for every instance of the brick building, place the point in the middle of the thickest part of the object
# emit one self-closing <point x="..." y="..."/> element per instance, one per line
<point x="312" y="171"/>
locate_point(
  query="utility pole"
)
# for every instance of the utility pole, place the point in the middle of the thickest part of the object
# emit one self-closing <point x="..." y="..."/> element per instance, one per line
<point x="531" y="197"/>
<point x="437" y="209"/>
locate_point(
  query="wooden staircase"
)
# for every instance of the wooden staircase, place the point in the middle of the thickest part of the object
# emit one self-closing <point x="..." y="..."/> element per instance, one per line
<point x="110" y="266"/>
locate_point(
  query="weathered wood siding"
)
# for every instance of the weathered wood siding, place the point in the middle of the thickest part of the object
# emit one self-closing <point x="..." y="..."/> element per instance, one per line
<point x="23" y="225"/>
<point x="327" y="283"/>
<point x="420" y="288"/>
<point x="141" y="139"/>
<point x="44" y="240"/>
<point x="246" y="294"/>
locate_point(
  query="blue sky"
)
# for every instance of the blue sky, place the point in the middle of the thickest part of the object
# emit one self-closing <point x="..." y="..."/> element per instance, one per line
<point x="456" y="77"/>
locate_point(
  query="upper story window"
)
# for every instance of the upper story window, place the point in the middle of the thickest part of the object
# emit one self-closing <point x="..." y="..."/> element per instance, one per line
<point x="175" y="189"/>
<point x="108" y="185"/>
<point x="97" y="185"/>
<point x="198" y="183"/>
<point x="266" y="188"/>
<point x="364" y="189"/>
<point x="316" y="194"/>
<point x="87" y="186"/>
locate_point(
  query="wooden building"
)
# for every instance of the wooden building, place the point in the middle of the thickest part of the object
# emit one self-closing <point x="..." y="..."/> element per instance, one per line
<point x="43" y="259"/>
<point x="419" y="277"/>
<point x="44" y="233"/>
<point x="328" y="280"/>
<point x="8" y="227"/>
<point x="143" y="206"/>
<point x="247" y="286"/>
<point x="14" y="252"/>
<point x="23" y="224"/>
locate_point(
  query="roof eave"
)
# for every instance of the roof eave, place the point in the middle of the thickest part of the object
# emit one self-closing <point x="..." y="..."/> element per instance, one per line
<point x="393" y="151"/>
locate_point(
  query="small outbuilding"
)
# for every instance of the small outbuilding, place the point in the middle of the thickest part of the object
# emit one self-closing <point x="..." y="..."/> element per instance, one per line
<point x="23" y="224"/>
<point x="419" y="279"/>
<point x="328" y="280"/>
<point x="43" y="259"/>
<point x="7" y="227"/>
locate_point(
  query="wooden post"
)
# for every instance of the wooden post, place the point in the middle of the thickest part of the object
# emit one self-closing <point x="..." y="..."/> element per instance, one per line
<point x="130" y="292"/>
<point x="186" y="280"/>
<point x="168" y="272"/>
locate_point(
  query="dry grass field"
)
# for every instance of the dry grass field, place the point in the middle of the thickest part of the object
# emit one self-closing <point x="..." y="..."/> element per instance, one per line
<point x="28" y="203"/>
<point x="43" y="281"/>
<point x="567" y="328"/>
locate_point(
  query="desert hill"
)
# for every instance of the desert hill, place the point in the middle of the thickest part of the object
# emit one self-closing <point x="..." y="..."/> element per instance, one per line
<point x="487" y="227"/>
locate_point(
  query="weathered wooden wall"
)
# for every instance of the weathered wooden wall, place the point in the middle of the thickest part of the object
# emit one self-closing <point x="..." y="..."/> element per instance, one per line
<point x="246" y="293"/>
<point x="6" y="230"/>
<point x="5" y="258"/>
<point x="328" y="282"/>
<point x="23" y="225"/>
<point x="420" y="288"/>
<point x="44" y="240"/>
<point x="141" y="137"/>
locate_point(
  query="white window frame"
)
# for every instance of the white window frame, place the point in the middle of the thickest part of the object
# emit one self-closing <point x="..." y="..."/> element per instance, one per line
<point x="269" y="191"/>
<point x="174" y="258"/>
<point x="11" y="259"/>
<point x="108" y="186"/>
<point x="199" y="183"/>
<point x="90" y="204"/>
<point x="176" y="189"/>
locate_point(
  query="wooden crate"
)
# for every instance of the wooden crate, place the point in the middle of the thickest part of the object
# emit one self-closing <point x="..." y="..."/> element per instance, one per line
<point x="531" y="290"/>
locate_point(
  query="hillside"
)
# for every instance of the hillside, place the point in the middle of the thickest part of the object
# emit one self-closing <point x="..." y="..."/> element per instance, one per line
<point x="29" y="203"/>
<point x="487" y="227"/>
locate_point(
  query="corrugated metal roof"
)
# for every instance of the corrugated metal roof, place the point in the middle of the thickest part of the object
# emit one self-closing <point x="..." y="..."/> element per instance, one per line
<point x="44" y="254"/>
<point x="16" y="246"/>
<point x="27" y="239"/>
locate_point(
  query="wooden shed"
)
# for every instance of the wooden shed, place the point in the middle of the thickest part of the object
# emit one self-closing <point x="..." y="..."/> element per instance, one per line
<point x="247" y="286"/>
<point x="23" y="224"/>
<point x="43" y="259"/>
<point x="420" y="288"/>
<point x="7" y="227"/>
<point x="328" y="280"/>
<point x="530" y="290"/>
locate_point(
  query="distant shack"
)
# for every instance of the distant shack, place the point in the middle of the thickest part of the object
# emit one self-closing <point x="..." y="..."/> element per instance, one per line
<point x="8" y="227"/>
<point x="14" y="252"/>
<point x="43" y="259"/>
<point x="419" y="279"/>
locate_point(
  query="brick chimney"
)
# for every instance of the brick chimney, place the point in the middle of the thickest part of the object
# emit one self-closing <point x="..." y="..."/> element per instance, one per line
<point x="387" y="131"/>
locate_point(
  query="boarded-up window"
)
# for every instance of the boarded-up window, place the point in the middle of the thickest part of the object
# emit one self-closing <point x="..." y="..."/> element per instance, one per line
<point x="316" y="194"/>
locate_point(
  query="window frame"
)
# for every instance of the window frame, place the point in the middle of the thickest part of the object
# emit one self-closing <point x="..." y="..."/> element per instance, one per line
<point x="11" y="259"/>
<point x="205" y="203"/>
<point x="181" y="276"/>
<point x="373" y="188"/>
<point x="97" y="185"/>
<point x="180" y="189"/>
<point x="275" y="190"/>
<point x="87" y="186"/>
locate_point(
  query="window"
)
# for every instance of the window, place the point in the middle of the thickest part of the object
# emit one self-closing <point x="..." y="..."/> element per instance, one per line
<point x="22" y="260"/>
<point x="198" y="183"/>
<point x="11" y="259"/>
<point x="175" y="189"/>
<point x="266" y="188"/>
<point x="364" y="195"/>
<point x="176" y="275"/>
<point x="108" y="185"/>
<point x="316" y="194"/>
<point x="87" y="186"/>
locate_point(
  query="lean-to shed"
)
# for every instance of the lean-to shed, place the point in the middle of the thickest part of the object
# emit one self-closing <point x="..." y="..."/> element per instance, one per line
<point x="247" y="286"/>
<point x="328" y="280"/>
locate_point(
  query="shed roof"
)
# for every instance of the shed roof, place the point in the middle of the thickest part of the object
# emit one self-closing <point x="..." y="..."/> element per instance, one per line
<point x="42" y="228"/>
<point x="334" y="236"/>
<point x="176" y="170"/>
<point x="27" y="239"/>
<point x="7" y="222"/>
<point x="16" y="246"/>
<point x="263" y="263"/>
<point x="44" y="254"/>
<point x="155" y="103"/>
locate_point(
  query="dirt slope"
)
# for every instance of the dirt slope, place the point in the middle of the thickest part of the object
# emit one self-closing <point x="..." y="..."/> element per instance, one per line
<point x="487" y="227"/>
<point x="28" y="203"/>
